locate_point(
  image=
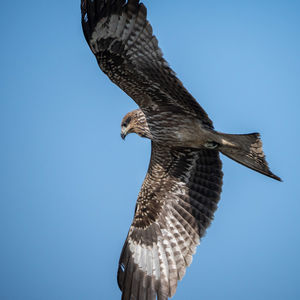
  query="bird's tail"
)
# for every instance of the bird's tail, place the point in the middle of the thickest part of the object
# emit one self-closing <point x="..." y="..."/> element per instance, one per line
<point x="245" y="149"/>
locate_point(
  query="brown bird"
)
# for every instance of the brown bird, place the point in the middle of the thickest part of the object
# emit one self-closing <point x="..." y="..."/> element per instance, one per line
<point x="182" y="187"/>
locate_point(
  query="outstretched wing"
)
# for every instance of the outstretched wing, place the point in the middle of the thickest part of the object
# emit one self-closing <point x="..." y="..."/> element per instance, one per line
<point x="175" y="206"/>
<point x="121" y="38"/>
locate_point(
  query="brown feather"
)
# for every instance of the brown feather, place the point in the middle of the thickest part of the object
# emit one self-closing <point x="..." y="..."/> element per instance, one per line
<point x="131" y="58"/>
<point x="182" y="187"/>
<point x="184" y="210"/>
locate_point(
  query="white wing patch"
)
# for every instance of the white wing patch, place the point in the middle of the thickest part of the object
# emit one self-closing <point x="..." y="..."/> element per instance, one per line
<point x="146" y="258"/>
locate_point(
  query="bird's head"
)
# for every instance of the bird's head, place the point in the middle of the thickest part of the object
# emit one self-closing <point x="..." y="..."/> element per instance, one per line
<point x="135" y="122"/>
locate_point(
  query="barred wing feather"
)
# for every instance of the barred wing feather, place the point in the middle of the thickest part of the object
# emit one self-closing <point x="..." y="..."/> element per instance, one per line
<point x="174" y="208"/>
<point x="121" y="38"/>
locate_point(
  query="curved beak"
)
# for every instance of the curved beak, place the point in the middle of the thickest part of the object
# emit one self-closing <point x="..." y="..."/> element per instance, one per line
<point x="123" y="135"/>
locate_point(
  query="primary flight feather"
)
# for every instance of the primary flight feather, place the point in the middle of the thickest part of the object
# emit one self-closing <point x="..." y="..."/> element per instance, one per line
<point x="182" y="187"/>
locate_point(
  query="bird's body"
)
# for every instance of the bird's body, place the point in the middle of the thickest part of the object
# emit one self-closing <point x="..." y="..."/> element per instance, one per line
<point x="174" y="129"/>
<point x="182" y="187"/>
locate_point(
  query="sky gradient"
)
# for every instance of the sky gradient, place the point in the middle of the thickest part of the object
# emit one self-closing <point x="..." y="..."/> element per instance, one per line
<point x="68" y="183"/>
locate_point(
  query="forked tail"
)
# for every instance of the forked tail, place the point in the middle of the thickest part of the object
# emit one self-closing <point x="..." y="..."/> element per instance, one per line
<point x="246" y="149"/>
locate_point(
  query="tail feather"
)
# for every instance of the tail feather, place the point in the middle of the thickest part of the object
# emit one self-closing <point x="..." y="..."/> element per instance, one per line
<point x="246" y="149"/>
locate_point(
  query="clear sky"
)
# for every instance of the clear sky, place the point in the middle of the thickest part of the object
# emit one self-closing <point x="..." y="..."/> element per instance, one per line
<point x="68" y="183"/>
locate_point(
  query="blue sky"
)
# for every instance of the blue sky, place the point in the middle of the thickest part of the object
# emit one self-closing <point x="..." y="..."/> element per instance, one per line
<point x="68" y="183"/>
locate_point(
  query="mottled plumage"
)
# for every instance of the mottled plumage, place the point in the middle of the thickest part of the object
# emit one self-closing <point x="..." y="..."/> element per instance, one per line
<point x="127" y="52"/>
<point x="175" y="206"/>
<point x="182" y="187"/>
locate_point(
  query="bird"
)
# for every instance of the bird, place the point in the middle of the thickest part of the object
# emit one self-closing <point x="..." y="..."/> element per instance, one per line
<point x="182" y="187"/>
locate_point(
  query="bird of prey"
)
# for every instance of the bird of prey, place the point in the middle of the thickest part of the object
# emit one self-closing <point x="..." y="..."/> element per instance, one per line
<point x="182" y="187"/>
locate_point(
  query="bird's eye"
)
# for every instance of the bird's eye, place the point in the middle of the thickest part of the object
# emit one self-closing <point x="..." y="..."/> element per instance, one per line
<point x="126" y="122"/>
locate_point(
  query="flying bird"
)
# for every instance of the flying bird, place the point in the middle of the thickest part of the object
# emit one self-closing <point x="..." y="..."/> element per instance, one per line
<point x="182" y="187"/>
